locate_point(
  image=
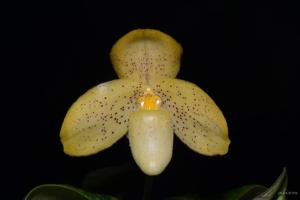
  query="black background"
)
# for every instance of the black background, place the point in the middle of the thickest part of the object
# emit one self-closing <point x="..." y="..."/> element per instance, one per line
<point x="243" y="55"/>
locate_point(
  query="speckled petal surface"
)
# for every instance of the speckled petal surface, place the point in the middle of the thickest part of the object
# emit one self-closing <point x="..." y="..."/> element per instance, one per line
<point x="99" y="118"/>
<point x="197" y="120"/>
<point x="146" y="53"/>
<point x="148" y="103"/>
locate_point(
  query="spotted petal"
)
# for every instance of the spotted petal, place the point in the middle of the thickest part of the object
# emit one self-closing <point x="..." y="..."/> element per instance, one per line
<point x="197" y="120"/>
<point x="99" y="118"/>
<point x="146" y="53"/>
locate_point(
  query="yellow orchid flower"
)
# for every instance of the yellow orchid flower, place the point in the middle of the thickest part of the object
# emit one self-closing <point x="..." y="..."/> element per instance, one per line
<point x="148" y="104"/>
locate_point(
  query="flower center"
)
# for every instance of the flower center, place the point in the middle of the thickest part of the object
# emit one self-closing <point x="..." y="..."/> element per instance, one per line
<point x="149" y="101"/>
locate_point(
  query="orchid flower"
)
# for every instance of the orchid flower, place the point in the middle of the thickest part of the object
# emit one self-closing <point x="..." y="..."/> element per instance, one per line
<point x="148" y="104"/>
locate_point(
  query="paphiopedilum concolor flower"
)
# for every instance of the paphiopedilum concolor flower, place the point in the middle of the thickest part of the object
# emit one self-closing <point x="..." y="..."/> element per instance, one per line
<point x="148" y="104"/>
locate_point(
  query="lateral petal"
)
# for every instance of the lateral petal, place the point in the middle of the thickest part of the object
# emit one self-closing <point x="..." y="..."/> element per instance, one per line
<point x="197" y="120"/>
<point x="99" y="117"/>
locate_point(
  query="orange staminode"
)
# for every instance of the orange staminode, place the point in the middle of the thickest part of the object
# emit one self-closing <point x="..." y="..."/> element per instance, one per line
<point x="149" y="101"/>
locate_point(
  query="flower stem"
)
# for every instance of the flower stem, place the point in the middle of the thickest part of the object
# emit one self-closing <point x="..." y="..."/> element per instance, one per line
<point x="147" y="187"/>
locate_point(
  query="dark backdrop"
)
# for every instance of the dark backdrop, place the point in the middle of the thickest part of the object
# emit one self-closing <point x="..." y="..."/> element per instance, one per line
<point x="243" y="55"/>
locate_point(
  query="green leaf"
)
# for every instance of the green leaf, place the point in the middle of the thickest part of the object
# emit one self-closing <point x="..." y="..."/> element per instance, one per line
<point x="283" y="188"/>
<point x="277" y="190"/>
<point x="244" y="192"/>
<point x="115" y="180"/>
<point x="241" y="193"/>
<point x="63" y="192"/>
<point x="249" y="192"/>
